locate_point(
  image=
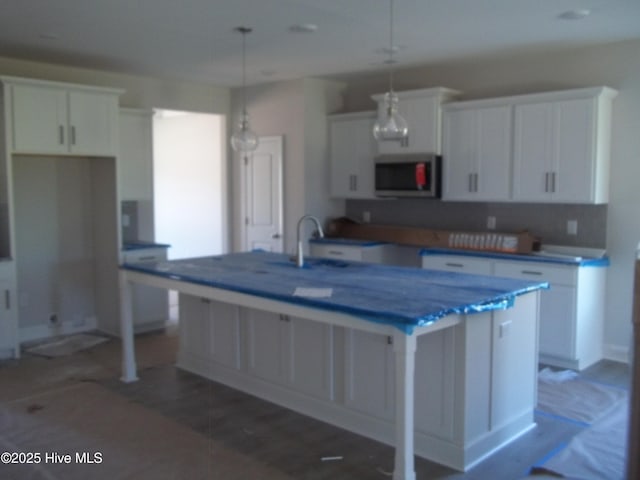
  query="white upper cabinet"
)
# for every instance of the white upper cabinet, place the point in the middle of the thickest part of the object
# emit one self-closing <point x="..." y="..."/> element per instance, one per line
<point x="135" y="162"/>
<point x="352" y="150"/>
<point x="561" y="147"/>
<point x="62" y="119"/>
<point x="422" y="111"/>
<point x="476" y="152"/>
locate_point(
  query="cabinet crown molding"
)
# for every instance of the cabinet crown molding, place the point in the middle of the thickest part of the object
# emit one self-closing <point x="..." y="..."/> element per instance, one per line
<point x="9" y="80"/>
<point x="574" y="93"/>
<point x="422" y="92"/>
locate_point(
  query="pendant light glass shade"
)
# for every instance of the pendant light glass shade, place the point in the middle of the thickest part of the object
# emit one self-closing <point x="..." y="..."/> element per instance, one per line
<point x="244" y="139"/>
<point x="390" y="124"/>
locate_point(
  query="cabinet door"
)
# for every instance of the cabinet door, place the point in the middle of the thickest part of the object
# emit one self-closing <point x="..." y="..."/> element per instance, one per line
<point x="310" y="355"/>
<point x="8" y="319"/>
<point x="39" y="119"/>
<point x="195" y="327"/>
<point x="352" y="152"/>
<point x="92" y="123"/>
<point x="423" y="118"/>
<point x="558" y="322"/>
<point x="135" y="161"/>
<point x="369" y="373"/>
<point x="533" y="152"/>
<point x="459" y="154"/>
<point x="265" y="345"/>
<point x="574" y="140"/>
<point x="224" y="334"/>
<point x="150" y="304"/>
<point x="477" y="154"/>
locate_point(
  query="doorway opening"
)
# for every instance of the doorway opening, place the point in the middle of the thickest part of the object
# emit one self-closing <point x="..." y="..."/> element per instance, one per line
<point x="189" y="175"/>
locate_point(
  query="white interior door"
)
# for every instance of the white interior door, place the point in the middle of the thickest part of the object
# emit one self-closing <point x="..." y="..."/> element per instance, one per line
<point x="263" y="196"/>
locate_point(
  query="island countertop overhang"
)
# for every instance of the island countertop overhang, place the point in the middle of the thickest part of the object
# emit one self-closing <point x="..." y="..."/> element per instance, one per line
<point x="403" y="297"/>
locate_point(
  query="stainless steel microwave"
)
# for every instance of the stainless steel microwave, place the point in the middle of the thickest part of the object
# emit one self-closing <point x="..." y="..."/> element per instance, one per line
<point x="414" y="175"/>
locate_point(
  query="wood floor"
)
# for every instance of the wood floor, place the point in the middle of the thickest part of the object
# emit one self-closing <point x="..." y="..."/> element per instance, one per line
<point x="296" y="444"/>
<point x="284" y="440"/>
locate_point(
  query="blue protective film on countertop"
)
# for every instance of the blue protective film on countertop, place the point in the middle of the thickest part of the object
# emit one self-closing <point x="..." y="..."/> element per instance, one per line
<point x="128" y="246"/>
<point x="347" y="241"/>
<point x="563" y="260"/>
<point x="399" y="296"/>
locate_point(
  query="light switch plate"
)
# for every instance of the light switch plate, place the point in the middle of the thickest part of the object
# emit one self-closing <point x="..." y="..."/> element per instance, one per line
<point x="572" y="227"/>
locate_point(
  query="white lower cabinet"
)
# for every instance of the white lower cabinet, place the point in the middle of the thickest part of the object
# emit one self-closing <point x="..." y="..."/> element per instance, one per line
<point x="474" y="384"/>
<point x="571" y="311"/>
<point x="209" y="334"/>
<point x="369" y="373"/>
<point x="150" y="304"/>
<point x="291" y="351"/>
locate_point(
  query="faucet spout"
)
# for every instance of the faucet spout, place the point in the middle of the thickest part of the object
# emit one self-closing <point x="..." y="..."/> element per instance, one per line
<point x="299" y="254"/>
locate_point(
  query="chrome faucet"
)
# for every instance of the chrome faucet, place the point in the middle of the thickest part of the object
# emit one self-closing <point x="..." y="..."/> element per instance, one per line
<point x="299" y="255"/>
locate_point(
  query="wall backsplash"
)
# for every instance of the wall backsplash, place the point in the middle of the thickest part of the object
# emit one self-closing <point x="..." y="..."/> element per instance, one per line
<point x="547" y="221"/>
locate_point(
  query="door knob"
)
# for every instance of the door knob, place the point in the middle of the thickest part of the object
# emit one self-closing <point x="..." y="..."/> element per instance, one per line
<point x="275" y="235"/>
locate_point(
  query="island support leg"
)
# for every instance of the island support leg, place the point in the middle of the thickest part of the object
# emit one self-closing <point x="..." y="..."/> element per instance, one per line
<point x="129" y="369"/>
<point x="404" y="347"/>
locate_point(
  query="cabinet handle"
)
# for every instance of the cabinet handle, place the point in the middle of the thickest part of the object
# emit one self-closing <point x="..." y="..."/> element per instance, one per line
<point x="471" y="182"/>
<point x="73" y="135"/>
<point x="355" y="183"/>
<point x="530" y="272"/>
<point x="205" y="300"/>
<point x="284" y="318"/>
<point x="456" y="265"/>
<point x="553" y="182"/>
<point x="61" y="134"/>
<point x="146" y="259"/>
<point x="546" y="181"/>
<point x="475" y="182"/>
<point x="7" y="299"/>
<point x="335" y="252"/>
<point x="389" y="340"/>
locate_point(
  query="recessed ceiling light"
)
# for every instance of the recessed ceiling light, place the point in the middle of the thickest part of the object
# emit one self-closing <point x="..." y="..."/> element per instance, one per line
<point x="578" y="14"/>
<point x="387" y="50"/>
<point x="303" y="28"/>
<point x="49" y="36"/>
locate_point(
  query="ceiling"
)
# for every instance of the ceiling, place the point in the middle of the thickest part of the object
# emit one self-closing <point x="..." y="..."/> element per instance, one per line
<point x="195" y="40"/>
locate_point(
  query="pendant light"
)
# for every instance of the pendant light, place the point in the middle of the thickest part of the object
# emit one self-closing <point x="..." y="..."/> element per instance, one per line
<point x="244" y="139"/>
<point x="390" y="124"/>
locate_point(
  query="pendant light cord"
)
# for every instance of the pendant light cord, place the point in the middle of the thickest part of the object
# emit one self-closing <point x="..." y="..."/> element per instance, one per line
<point x="244" y="67"/>
<point x="391" y="46"/>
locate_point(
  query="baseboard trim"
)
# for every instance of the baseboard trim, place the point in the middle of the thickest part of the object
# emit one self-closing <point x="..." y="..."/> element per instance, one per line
<point x="616" y="353"/>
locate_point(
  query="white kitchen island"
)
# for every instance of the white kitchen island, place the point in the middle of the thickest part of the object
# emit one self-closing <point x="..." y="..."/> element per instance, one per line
<point x="437" y="364"/>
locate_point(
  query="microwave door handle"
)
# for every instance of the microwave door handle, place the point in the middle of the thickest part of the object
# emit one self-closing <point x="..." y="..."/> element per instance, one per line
<point x="421" y="176"/>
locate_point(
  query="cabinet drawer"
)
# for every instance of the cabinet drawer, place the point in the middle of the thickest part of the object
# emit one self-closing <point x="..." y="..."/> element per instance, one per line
<point x="342" y="252"/>
<point x="559" y="274"/>
<point x="457" y="263"/>
<point x="145" y="255"/>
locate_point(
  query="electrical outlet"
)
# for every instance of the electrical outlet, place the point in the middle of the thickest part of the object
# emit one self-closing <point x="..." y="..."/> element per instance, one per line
<point x="491" y="223"/>
<point x="366" y="217"/>
<point x="572" y="227"/>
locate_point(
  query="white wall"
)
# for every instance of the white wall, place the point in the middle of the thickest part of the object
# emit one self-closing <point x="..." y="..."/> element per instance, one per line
<point x="616" y="65"/>
<point x="189" y="184"/>
<point x="297" y="110"/>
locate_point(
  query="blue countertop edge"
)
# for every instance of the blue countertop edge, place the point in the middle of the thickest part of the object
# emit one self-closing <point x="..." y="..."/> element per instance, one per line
<point x="583" y="262"/>
<point x="347" y="241"/>
<point x="129" y="246"/>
